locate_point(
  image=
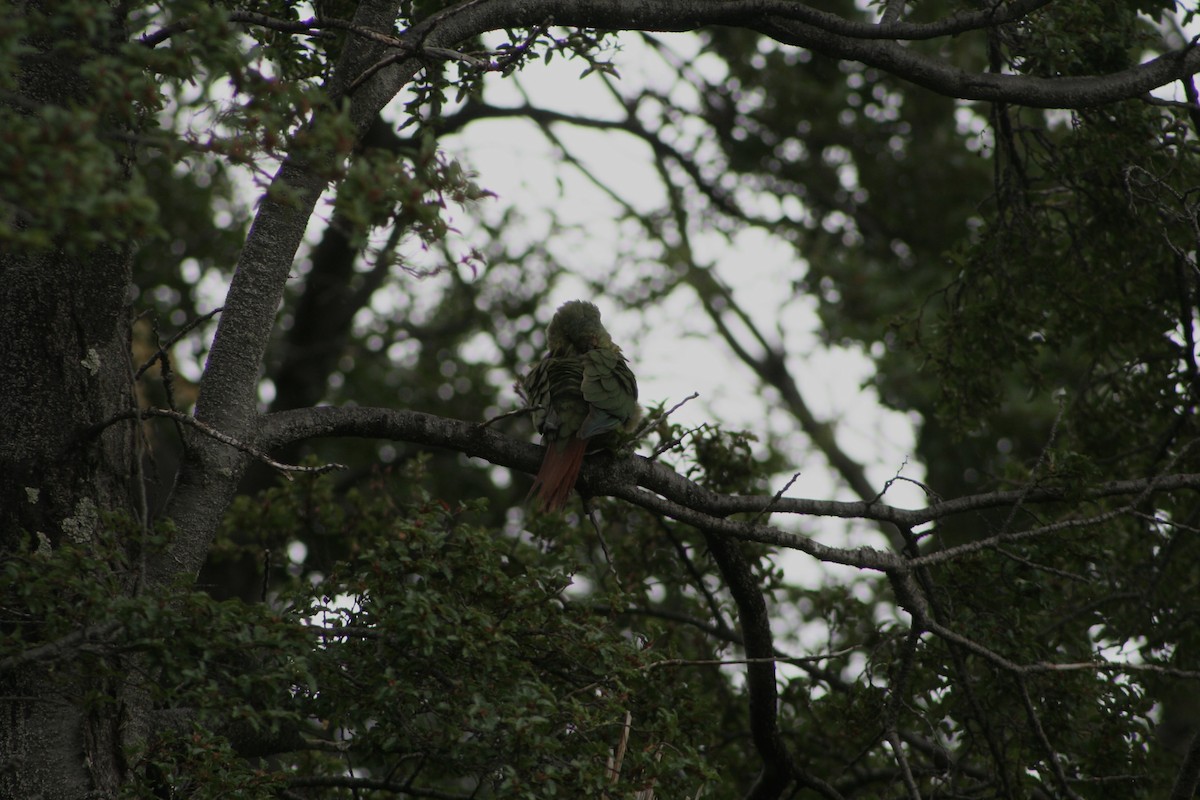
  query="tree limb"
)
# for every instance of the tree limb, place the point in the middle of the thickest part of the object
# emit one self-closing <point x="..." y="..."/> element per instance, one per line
<point x="659" y="489"/>
<point x="228" y="399"/>
<point x="755" y="623"/>
<point x="1188" y="778"/>
<point x="800" y="25"/>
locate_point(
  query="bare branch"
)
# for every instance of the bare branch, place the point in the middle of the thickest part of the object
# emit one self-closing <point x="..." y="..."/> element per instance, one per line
<point x="519" y="412"/>
<point x="355" y="783"/>
<point x="698" y="579"/>
<point x="166" y="346"/>
<point x="953" y="553"/>
<point x="313" y="26"/>
<point x="724" y="662"/>
<point x="1039" y="733"/>
<point x="654" y="419"/>
<point x="778" y="496"/>
<point x="187" y="419"/>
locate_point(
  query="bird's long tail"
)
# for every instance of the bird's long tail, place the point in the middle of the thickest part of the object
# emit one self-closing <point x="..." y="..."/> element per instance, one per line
<point x="556" y="477"/>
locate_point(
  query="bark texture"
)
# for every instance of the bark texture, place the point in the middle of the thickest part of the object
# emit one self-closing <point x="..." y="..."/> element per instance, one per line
<point x="64" y="371"/>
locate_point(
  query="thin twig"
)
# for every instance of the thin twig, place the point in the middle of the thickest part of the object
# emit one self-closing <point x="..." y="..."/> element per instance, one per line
<point x="929" y="492"/>
<point x="167" y="345"/>
<point x="654" y="419"/>
<point x="1044" y="667"/>
<point x="898" y="690"/>
<point x="313" y="26"/>
<point x="1040" y="734"/>
<point x="591" y="515"/>
<point x="714" y="606"/>
<point x="1037" y="467"/>
<point x="723" y="662"/>
<point x="520" y="412"/>
<point x="407" y="50"/>
<point x="778" y="496"/>
<point x="224" y="438"/>
<point x="673" y="443"/>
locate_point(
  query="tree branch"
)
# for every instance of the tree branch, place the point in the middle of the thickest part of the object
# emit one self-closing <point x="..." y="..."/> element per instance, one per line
<point x="66" y="647"/>
<point x="355" y="783"/>
<point x="164" y="349"/>
<point x="755" y="623"/>
<point x="828" y="34"/>
<point x="228" y="399"/>
<point x="675" y="496"/>
<point x="1188" y="778"/>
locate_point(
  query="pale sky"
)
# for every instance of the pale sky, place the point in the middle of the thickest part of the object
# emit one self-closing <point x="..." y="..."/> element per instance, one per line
<point x="684" y="354"/>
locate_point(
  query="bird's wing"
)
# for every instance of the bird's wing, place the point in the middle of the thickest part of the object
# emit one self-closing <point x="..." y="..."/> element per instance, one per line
<point x="553" y="385"/>
<point x="610" y="390"/>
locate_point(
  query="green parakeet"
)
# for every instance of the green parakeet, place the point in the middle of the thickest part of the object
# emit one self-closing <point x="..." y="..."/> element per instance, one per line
<point x="580" y="390"/>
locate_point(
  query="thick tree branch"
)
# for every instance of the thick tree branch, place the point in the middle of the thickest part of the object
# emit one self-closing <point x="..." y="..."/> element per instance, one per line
<point x="228" y="390"/>
<point x="659" y="489"/>
<point x="673" y="495"/>
<point x="937" y="76"/>
<point x="223" y="438"/>
<point x="889" y="27"/>
<point x="755" y="623"/>
<point x="802" y="26"/>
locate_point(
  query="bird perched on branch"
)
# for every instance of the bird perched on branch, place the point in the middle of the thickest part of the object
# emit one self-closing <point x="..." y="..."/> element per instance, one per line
<point x="581" y="390"/>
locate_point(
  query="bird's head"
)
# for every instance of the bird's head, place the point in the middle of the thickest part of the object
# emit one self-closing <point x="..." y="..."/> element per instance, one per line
<point x="576" y="327"/>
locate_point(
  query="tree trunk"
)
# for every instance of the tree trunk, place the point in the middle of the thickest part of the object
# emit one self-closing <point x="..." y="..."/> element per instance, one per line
<point x="64" y="371"/>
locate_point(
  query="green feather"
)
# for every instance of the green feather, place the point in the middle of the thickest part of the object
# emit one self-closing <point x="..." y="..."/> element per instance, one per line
<point x="583" y="387"/>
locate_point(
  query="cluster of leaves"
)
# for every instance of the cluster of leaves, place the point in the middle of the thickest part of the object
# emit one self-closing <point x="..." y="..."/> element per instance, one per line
<point x="1021" y="278"/>
<point x="73" y="153"/>
<point x="1103" y="317"/>
<point x="433" y="652"/>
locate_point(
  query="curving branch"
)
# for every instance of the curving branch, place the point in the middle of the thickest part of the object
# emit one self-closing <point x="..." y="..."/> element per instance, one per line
<point x="828" y="34"/>
<point x="1059" y="92"/>
<point x="755" y="622"/>
<point x="889" y="27"/>
<point x="228" y="397"/>
<point x="657" y="488"/>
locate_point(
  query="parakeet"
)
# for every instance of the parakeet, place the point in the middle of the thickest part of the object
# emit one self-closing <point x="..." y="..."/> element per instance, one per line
<point x="580" y="390"/>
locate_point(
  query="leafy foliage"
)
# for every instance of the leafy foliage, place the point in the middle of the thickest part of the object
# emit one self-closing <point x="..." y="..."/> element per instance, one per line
<point x="1023" y="282"/>
<point x="436" y="653"/>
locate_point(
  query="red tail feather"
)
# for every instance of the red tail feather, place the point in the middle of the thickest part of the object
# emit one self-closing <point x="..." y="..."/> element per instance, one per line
<point x="556" y="478"/>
